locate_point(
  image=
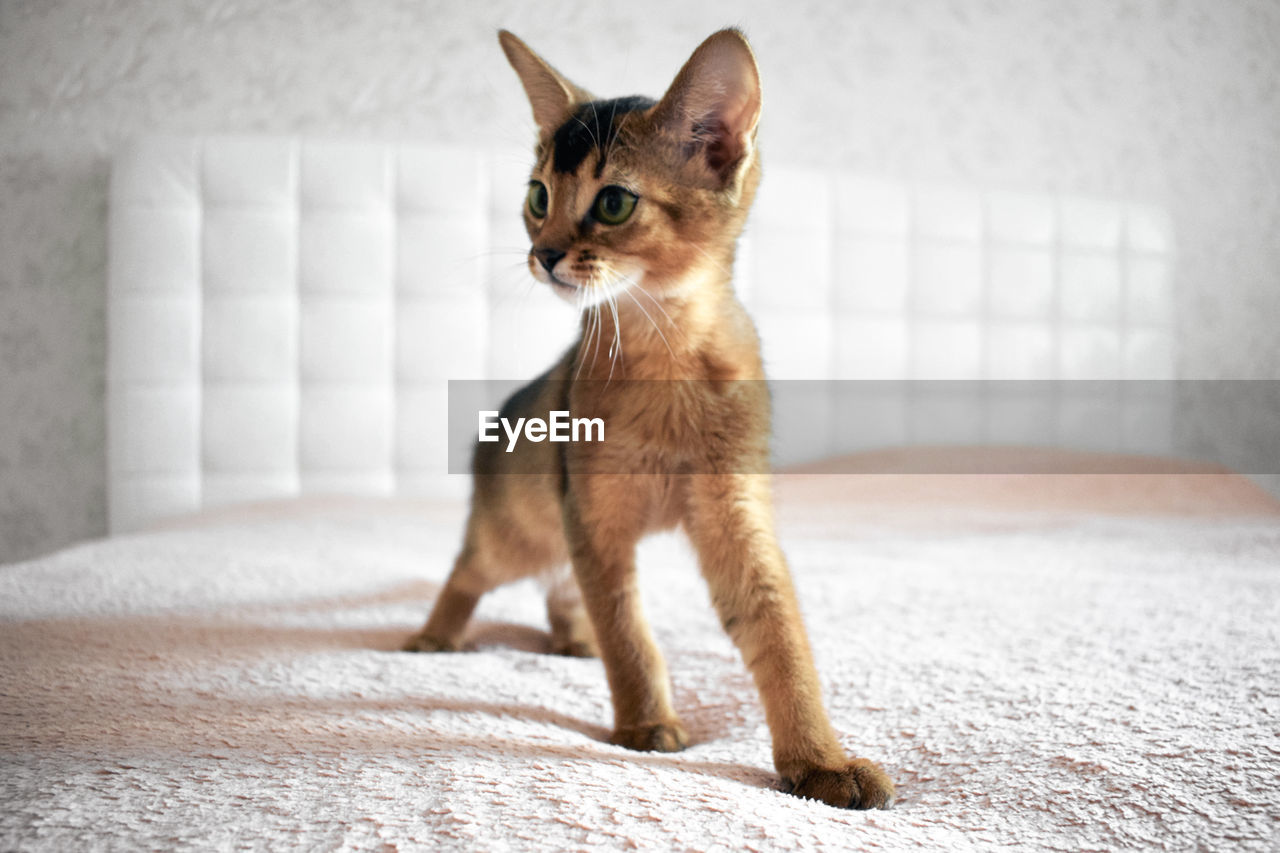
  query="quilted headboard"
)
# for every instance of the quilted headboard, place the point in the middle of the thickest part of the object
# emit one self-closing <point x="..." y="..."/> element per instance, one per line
<point x="284" y="314"/>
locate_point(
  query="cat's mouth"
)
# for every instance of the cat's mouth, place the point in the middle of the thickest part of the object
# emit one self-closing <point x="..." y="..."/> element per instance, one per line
<point x="584" y="294"/>
<point x="562" y="287"/>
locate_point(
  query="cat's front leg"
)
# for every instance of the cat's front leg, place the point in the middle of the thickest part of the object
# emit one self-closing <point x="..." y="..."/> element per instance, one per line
<point x="603" y="523"/>
<point x="729" y="519"/>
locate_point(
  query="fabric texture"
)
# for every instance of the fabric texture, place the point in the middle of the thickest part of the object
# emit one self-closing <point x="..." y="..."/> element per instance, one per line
<point x="1031" y="677"/>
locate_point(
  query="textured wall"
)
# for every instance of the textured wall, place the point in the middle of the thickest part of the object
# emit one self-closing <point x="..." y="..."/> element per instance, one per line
<point x="1173" y="103"/>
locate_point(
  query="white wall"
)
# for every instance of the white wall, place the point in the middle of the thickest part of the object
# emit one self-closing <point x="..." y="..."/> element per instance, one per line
<point x="1175" y="104"/>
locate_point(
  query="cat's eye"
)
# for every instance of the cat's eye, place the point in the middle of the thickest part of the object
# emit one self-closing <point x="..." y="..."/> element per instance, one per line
<point x="537" y="199"/>
<point x="614" y="205"/>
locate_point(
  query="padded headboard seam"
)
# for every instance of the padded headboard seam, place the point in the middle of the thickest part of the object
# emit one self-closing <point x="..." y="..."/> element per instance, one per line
<point x="284" y="314"/>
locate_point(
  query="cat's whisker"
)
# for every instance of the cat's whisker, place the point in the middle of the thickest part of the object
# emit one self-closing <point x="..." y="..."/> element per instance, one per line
<point x="592" y="315"/>
<point x="609" y="131"/>
<point x="612" y="132"/>
<point x="509" y="283"/>
<point x="631" y="286"/>
<point x="663" y="337"/>
<point x="595" y="350"/>
<point x="584" y="339"/>
<point x="581" y="308"/>
<point x="492" y="250"/>
<point x="657" y="303"/>
<point x="594" y="139"/>
<point x="616" y="357"/>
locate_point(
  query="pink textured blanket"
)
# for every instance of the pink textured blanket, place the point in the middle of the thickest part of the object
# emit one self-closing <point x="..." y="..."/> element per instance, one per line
<point x="1033" y="676"/>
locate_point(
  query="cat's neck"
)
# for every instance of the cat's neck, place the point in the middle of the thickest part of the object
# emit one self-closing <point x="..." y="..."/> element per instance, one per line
<point x="697" y="330"/>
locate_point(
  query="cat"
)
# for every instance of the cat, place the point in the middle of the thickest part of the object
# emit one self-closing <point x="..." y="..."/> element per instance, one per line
<point x="634" y="208"/>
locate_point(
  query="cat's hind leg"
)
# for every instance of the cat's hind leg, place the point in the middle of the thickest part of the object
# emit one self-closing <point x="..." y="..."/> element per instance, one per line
<point x="571" y="632"/>
<point x="514" y="531"/>
<point x="472" y="577"/>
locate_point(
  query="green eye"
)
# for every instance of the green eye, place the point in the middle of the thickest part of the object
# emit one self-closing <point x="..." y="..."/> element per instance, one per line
<point x="537" y="199"/>
<point x="613" y="205"/>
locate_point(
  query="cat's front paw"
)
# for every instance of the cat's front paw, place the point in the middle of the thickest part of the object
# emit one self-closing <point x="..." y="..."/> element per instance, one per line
<point x="424" y="642"/>
<point x="658" y="737"/>
<point x="860" y="784"/>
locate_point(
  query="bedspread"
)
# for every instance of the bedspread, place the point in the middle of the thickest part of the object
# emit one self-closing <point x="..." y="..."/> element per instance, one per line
<point x="1041" y="680"/>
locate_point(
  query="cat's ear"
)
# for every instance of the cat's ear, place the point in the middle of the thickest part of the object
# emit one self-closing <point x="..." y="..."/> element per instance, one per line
<point x="713" y="106"/>
<point x="550" y="94"/>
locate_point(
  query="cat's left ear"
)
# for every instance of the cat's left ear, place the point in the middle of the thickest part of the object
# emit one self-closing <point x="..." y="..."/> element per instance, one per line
<point x="713" y="106"/>
<point x="551" y="95"/>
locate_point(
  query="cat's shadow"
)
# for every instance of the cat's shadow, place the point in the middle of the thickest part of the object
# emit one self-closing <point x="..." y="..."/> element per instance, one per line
<point x="485" y="636"/>
<point x="480" y="636"/>
<point x="130" y="645"/>
<point x="598" y="748"/>
<point x="511" y="635"/>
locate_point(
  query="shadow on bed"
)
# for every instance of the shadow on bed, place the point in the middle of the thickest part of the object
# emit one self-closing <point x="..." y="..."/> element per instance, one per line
<point x="249" y="626"/>
<point x="122" y="672"/>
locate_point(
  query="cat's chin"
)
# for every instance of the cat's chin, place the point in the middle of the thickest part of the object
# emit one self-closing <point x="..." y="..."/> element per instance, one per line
<point x="585" y="296"/>
<point x="566" y="291"/>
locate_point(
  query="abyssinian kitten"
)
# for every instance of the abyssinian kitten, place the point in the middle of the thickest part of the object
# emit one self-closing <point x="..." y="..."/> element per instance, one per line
<point x="645" y="200"/>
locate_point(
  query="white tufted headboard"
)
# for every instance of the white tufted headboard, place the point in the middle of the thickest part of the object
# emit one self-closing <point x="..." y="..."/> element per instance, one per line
<point x="284" y="314"/>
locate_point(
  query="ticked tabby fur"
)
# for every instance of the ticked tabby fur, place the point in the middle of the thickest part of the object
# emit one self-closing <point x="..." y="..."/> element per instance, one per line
<point x="634" y="209"/>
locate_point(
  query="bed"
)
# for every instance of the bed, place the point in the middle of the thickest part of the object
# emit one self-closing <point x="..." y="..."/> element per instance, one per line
<point x="1040" y="661"/>
<point x="1049" y="657"/>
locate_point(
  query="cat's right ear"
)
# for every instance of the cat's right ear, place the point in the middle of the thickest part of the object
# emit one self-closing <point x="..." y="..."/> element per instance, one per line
<point x="550" y="94"/>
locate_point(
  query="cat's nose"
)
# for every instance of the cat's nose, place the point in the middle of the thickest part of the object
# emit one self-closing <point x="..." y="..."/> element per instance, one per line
<point x="548" y="257"/>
